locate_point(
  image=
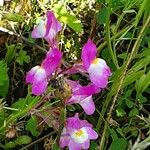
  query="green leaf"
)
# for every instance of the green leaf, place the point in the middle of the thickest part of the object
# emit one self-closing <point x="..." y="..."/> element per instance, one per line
<point x="11" y="51"/>
<point x="113" y="134"/>
<point x="93" y="145"/>
<point x="14" y="17"/>
<point x="102" y="15"/>
<point x="10" y="145"/>
<point x="71" y="108"/>
<point x="132" y="77"/>
<point x="123" y="55"/>
<point x="23" y="139"/>
<point x="133" y="112"/>
<point x="72" y="22"/>
<point x="140" y="12"/>
<point x="120" y="112"/>
<point x="24" y="105"/>
<point x="67" y="17"/>
<point x="140" y="64"/>
<point x="141" y="99"/>
<point x="118" y="144"/>
<point x="23" y="57"/>
<point x="32" y="126"/>
<point x="55" y="147"/>
<point x="4" y="79"/>
<point x="143" y="83"/>
<point x="129" y="103"/>
<point x="119" y="130"/>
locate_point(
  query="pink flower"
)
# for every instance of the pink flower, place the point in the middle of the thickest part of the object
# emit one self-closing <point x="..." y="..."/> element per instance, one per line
<point x="77" y="134"/>
<point x="83" y="95"/>
<point x="38" y="76"/>
<point x="47" y="29"/>
<point x="96" y="67"/>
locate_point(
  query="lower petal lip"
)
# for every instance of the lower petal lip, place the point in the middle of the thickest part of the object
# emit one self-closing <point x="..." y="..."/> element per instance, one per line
<point x="39" y="88"/>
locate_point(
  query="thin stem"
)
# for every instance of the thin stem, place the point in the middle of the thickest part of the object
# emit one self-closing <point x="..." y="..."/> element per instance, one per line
<point x="108" y="40"/>
<point x="109" y="96"/>
<point x="133" y="53"/>
<point x="118" y="34"/>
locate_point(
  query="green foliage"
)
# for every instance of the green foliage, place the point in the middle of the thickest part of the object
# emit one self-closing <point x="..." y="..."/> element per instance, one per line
<point x="101" y="15"/>
<point x="118" y="38"/>
<point x="143" y="83"/>
<point x="21" y="140"/>
<point x="25" y="104"/>
<point x="4" y="79"/>
<point x="113" y="134"/>
<point x="23" y="57"/>
<point x="67" y="17"/>
<point x="32" y="126"/>
<point x="93" y="146"/>
<point x="20" y="109"/>
<point x="55" y="147"/>
<point x="118" y="144"/>
<point x="11" y="51"/>
<point x="133" y="112"/>
<point x="14" y="17"/>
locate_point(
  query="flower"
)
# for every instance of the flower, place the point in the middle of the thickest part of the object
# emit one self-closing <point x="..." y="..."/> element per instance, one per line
<point x="47" y="29"/>
<point x="77" y="134"/>
<point x="96" y="67"/>
<point x="38" y="76"/>
<point x="83" y="96"/>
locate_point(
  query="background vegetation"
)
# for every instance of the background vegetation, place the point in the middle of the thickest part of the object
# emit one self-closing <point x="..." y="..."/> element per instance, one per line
<point x="120" y="29"/>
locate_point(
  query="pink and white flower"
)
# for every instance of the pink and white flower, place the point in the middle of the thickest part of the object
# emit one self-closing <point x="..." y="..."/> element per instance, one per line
<point x="82" y="95"/>
<point x="38" y="76"/>
<point x="77" y="134"/>
<point x="48" y="29"/>
<point x="96" y="67"/>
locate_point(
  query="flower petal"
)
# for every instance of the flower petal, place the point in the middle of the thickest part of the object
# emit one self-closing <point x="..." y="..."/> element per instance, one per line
<point x="75" y="99"/>
<point x="99" y="73"/>
<point x="40" y="30"/>
<point x="51" y="61"/>
<point x="52" y="28"/>
<point x="39" y="88"/>
<point x="87" y="90"/>
<point x="64" y="139"/>
<point x="40" y="75"/>
<point x="79" y="136"/>
<point x="73" y="123"/>
<point x="86" y="145"/>
<point x="74" y="146"/>
<point x="30" y="74"/>
<point x="76" y="68"/>
<point x="92" y="134"/>
<point x="88" y="53"/>
<point x="88" y="105"/>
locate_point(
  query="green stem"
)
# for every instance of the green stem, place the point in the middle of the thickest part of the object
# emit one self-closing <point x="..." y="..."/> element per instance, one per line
<point x="128" y="61"/>
<point x="103" y="45"/>
<point x="108" y="40"/>
<point x="108" y="99"/>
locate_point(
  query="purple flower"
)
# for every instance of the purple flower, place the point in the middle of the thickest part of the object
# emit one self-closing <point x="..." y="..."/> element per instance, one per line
<point x="96" y="67"/>
<point x="47" y="29"/>
<point x="38" y="76"/>
<point x="83" y="95"/>
<point x="77" y="134"/>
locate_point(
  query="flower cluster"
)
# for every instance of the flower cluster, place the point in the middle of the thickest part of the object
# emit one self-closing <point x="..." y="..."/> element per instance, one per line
<point x="76" y="133"/>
